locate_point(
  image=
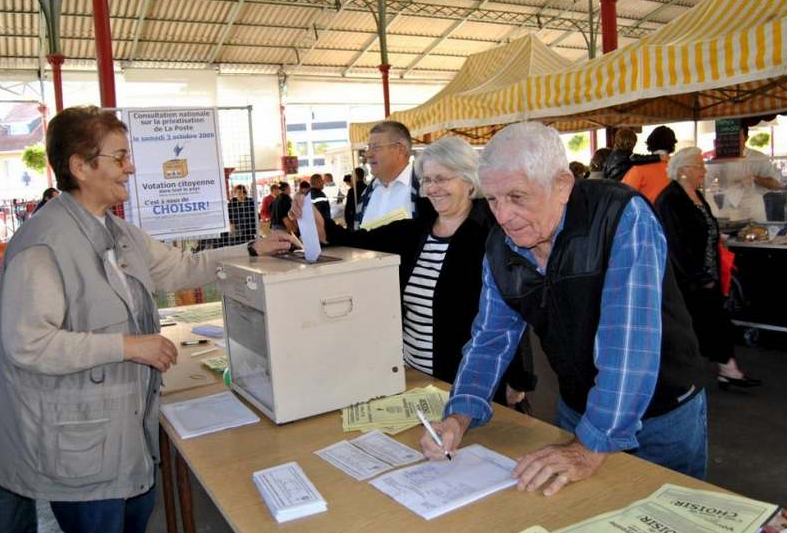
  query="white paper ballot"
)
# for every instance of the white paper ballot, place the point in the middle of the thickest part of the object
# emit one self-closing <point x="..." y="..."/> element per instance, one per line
<point x="434" y="488"/>
<point x="192" y="418"/>
<point x="288" y="492"/>
<point x="385" y="448"/>
<point x="308" y="229"/>
<point x="353" y="461"/>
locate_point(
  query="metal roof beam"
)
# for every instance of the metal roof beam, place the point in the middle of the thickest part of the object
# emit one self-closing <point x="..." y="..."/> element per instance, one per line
<point x="226" y="31"/>
<point x="653" y="13"/>
<point x="440" y="40"/>
<point x="366" y="47"/>
<point x="143" y="12"/>
<point x="326" y="29"/>
<point x="537" y="14"/>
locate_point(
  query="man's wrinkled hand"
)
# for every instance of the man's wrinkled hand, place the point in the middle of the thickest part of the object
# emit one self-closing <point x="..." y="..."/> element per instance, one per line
<point x="556" y="466"/>
<point x="451" y="431"/>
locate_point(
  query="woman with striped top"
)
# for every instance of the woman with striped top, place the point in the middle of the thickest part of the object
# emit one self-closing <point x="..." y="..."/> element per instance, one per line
<point x="441" y="256"/>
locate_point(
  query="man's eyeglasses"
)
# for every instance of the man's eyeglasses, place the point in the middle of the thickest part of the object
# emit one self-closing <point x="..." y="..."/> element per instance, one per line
<point x="121" y="159"/>
<point x="372" y="148"/>
<point x="437" y="181"/>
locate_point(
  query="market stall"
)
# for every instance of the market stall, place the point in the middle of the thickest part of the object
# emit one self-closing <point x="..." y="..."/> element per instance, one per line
<point x="723" y="58"/>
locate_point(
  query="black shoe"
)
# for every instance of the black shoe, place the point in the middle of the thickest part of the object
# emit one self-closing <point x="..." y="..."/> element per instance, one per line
<point x="745" y="382"/>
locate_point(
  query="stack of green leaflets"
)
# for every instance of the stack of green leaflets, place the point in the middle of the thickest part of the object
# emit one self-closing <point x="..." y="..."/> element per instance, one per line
<point x="218" y="363"/>
<point x="674" y="508"/>
<point x="395" y="414"/>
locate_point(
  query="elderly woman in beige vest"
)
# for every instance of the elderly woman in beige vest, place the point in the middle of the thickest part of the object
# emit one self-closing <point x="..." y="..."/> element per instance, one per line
<point x="81" y="356"/>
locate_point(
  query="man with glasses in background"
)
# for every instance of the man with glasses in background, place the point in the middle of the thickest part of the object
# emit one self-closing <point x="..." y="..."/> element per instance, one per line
<point x="395" y="185"/>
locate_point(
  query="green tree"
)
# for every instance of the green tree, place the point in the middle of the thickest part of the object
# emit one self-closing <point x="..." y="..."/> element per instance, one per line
<point x="578" y="142"/>
<point x="760" y="140"/>
<point x="34" y="157"/>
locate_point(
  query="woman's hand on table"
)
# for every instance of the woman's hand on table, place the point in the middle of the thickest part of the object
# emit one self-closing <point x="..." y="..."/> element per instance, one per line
<point x="152" y="350"/>
<point x="451" y="431"/>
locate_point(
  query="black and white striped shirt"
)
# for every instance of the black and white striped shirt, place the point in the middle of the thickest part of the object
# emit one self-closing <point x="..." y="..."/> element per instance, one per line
<point x="417" y="300"/>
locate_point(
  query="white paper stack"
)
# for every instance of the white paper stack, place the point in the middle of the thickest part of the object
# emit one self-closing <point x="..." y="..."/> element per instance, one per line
<point x="288" y="492"/>
<point x="192" y="418"/>
<point x="434" y="488"/>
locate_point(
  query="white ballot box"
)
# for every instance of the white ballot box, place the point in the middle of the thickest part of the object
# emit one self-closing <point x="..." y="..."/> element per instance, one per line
<point x="304" y="339"/>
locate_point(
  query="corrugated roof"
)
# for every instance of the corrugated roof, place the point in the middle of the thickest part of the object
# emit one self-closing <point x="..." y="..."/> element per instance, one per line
<point x="424" y="38"/>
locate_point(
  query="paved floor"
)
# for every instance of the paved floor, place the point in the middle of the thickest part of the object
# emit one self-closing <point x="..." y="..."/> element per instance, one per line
<point x="747" y="428"/>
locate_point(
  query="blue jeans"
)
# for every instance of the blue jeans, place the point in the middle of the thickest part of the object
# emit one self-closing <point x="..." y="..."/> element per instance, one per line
<point x="106" y="516"/>
<point x="17" y="513"/>
<point x="677" y="440"/>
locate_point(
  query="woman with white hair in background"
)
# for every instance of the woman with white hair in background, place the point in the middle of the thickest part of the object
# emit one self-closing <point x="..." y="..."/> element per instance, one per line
<point x="441" y="258"/>
<point x="693" y="239"/>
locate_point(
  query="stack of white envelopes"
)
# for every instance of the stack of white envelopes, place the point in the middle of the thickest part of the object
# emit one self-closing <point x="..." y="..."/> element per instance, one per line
<point x="288" y="492"/>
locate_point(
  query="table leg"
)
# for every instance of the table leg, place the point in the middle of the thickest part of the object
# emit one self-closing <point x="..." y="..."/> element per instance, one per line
<point x="166" y="480"/>
<point x="184" y="494"/>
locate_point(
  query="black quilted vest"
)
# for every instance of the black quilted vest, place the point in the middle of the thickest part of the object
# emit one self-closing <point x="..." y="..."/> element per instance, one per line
<point x="564" y="305"/>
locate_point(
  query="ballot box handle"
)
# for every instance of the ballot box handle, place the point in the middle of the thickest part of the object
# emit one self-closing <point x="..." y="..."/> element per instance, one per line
<point x="337" y="307"/>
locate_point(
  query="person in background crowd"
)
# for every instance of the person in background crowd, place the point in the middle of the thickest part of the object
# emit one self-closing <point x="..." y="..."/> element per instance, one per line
<point x="49" y="194"/>
<point x="303" y="187"/>
<point x="265" y="210"/>
<point x="280" y="207"/>
<point x="395" y="184"/>
<point x="612" y="323"/>
<point x="357" y="186"/>
<point x="597" y="163"/>
<point x="651" y="178"/>
<point x="578" y="170"/>
<point x="319" y="199"/>
<point x="622" y="156"/>
<point x="762" y="178"/>
<point x="693" y="240"/>
<point x="242" y="215"/>
<point x="440" y="270"/>
<point x="81" y="361"/>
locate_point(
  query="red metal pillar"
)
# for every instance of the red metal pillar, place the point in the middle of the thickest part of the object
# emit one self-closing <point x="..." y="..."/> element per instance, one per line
<point x="56" y="61"/>
<point x="384" y="68"/>
<point x="609" y="40"/>
<point x="106" y="71"/>
<point x="44" y="123"/>
<point x="609" y="26"/>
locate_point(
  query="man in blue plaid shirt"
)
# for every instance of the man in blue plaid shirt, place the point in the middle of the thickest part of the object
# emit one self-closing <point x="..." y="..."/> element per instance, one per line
<point x="586" y="266"/>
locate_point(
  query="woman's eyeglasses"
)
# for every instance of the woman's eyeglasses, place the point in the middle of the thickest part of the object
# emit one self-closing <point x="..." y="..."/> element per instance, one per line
<point x="437" y="181"/>
<point x="120" y="159"/>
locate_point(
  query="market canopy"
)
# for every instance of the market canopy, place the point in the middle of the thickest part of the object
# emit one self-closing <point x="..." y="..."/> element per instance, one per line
<point x="723" y="58"/>
<point x="485" y="92"/>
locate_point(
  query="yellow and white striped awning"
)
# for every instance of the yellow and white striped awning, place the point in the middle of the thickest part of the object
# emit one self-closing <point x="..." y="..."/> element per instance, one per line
<point x="723" y="58"/>
<point x="485" y="92"/>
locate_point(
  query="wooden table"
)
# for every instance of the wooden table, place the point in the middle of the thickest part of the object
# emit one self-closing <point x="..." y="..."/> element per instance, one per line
<point x="224" y="462"/>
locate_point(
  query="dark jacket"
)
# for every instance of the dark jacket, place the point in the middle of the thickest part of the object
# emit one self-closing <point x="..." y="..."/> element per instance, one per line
<point x="458" y="288"/>
<point x="350" y="204"/>
<point x="279" y="209"/>
<point x="620" y="161"/>
<point x="687" y="236"/>
<point x="564" y="305"/>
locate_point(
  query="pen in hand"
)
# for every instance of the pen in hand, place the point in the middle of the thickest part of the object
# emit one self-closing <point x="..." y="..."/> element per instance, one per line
<point x="432" y="432"/>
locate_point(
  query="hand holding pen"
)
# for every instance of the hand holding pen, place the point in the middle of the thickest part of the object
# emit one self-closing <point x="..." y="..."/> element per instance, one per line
<point x="449" y="432"/>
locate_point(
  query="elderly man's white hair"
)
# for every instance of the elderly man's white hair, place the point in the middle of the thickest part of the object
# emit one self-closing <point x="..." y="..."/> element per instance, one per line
<point x="529" y="147"/>
<point x="680" y="159"/>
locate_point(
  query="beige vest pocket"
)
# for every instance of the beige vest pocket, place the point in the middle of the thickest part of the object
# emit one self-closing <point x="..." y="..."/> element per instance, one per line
<point x="73" y="452"/>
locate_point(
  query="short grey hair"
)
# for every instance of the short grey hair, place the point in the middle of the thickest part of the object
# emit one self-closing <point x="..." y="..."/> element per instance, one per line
<point x="456" y="155"/>
<point x="396" y="131"/>
<point x="680" y="159"/>
<point x="530" y="147"/>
